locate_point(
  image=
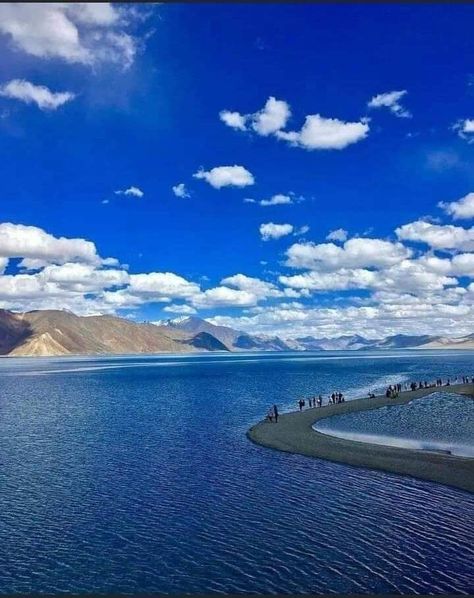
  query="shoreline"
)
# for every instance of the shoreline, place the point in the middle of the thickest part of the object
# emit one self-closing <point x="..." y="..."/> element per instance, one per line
<point x="294" y="433"/>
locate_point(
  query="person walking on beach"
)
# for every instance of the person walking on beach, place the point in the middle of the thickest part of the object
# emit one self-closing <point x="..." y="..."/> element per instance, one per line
<point x="275" y="413"/>
<point x="301" y="404"/>
<point x="320" y="401"/>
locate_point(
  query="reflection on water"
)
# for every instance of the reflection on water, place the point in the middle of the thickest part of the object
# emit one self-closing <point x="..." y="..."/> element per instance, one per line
<point x="134" y="475"/>
<point x="441" y="422"/>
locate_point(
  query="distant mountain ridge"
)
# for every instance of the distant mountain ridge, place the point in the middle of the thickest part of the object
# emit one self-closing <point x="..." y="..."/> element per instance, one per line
<point x="233" y="339"/>
<point x="56" y="332"/>
<point x="236" y="340"/>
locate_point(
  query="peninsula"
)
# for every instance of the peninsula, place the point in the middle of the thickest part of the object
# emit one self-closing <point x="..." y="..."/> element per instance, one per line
<point x="294" y="433"/>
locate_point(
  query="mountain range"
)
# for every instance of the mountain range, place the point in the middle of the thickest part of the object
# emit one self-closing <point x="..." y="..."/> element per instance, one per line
<point x="56" y="332"/>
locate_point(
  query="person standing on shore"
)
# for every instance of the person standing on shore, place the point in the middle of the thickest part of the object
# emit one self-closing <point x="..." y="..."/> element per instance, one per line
<point x="275" y="413"/>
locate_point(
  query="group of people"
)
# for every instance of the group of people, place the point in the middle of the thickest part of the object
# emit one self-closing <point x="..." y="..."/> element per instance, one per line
<point x="334" y="399"/>
<point x="312" y="402"/>
<point x="394" y="389"/>
<point x="391" y="392"/>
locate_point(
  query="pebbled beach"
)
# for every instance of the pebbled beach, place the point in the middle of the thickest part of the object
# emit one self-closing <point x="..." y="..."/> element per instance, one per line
<point x="294" y="433"/>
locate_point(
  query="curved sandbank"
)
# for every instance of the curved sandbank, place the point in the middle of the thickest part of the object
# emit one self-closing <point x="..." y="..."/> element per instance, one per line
<point x="294" y="434"/>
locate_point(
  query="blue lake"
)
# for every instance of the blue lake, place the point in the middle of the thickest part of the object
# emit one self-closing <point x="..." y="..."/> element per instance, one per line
<point x="134" y="474"/>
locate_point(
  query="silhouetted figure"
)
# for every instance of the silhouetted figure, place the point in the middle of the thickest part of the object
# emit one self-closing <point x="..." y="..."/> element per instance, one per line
<point x="275" y="413"/>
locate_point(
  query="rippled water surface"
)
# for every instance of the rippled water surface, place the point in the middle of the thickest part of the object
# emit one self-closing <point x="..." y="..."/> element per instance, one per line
<point x="134" y="475"/>
<point x="441" y="422"/>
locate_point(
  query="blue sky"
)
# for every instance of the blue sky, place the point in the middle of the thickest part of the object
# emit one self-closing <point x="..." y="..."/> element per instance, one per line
<point x="96" y="99"/>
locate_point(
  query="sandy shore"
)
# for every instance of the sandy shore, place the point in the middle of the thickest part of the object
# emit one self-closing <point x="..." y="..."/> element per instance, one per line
<point x="294" y="434"/>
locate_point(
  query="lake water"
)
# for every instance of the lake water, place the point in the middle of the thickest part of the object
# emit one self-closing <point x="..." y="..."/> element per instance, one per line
<point x="440" y="422"/>
<point x="134" y="474"/>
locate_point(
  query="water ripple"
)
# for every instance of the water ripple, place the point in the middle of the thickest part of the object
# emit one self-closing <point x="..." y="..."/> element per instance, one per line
<point x="140" y="480"/>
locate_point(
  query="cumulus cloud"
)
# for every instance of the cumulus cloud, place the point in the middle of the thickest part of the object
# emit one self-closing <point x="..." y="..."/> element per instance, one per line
<point x="461" y="209"/>
<point x="337" y="235"/>
<point x="235" y="120"/>
<point x="270" y="119"/>
<point x="20" y="241"/>
<point x="224" y="297"/>
<point x="465" y="129"/>
<point x="180" y="190"/>
<point x="75" y="32"/>
<point x="437" y="236"/>
<point x="83" y="278"/>
<point x="320" y="133"/>
<point x="131" y="191"/>
<point x="44" y="98"/>
<point x="226" y="176"/>
<point x="159" y="285"/>
<point x="317" y="131"/>
<point x="355" y="253"/>
<point x="339" y="280"/>
<point x="270" y="230"/>
<point x="259" y="288"/>
<point x="402" y="315"/>
<point x="391" y="100"/>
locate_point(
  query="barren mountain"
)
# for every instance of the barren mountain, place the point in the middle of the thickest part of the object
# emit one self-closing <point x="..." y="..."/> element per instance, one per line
<point x="54" y="332"/>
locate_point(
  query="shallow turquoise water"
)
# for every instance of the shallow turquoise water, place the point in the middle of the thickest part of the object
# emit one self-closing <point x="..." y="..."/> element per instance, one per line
<point x="440" y="422"/>
<point x="134" y="475"/>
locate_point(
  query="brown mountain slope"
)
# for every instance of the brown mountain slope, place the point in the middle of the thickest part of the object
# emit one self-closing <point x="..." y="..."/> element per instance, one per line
<point x="52" y="332"/>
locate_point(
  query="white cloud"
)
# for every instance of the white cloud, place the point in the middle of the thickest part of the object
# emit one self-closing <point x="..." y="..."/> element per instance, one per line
<point x="326" y="133"/>
<point x="271" y="230"/>
<point x="461" y="209"/>
<point x="402" y="315"/>
<point x="391" y="100"/>
<point x="355" y="253"/>
<point x="340" y="280"/>
<point x="277" y="200"/>
<point x="83" y="278"/>
<point x="133" y="191"/>
<point x="180" y="309"/>
<point x="226" y="176"/>
<point x="437" y="236"/>
<point x="20" y="241"/>
<point x="273" y="117"/>
<point x="158" y="285"/>
<point x="270" y="119"/>
<point x="235" y="120"/>
<point x="259" y="288"/>
<point x="44" y="98"/>
<point x="337" y="235"/>
<point x="180" y="190"/>
<point x="461" y="264"/>
<point x="75" y="32"/>
<point x="465" y="129"/>
<point x="224" y="297"/>
<point x="302" y="230"/>
<point x="317" y="132"/>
